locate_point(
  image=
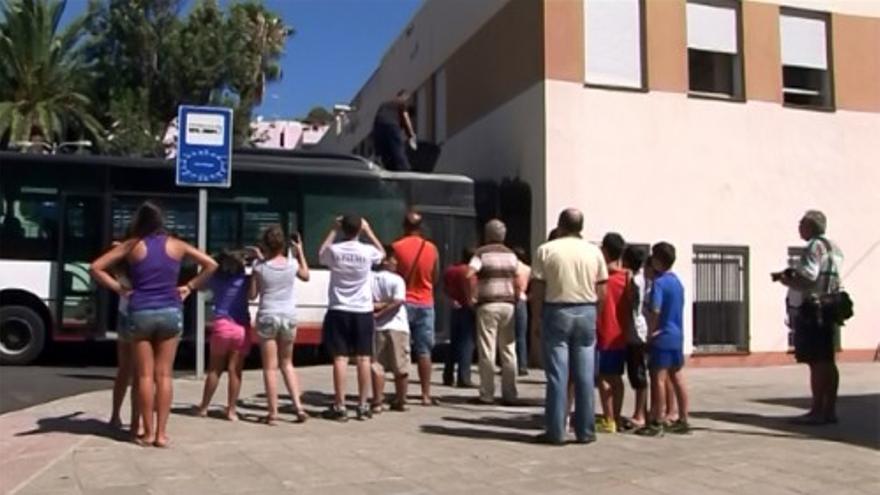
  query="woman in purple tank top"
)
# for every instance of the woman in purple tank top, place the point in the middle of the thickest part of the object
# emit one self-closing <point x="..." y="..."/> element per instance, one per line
<point x="155" y="309"/>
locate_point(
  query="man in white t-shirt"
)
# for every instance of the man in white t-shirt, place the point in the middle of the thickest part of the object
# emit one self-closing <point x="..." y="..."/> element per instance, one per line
<point x="348" y="325"/>
<point x="392" y="346"/>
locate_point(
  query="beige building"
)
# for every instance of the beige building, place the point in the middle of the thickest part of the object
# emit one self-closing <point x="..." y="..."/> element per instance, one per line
<point x="712" y="124"/>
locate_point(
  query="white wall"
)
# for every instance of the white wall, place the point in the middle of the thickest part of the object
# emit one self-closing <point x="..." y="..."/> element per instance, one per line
<point x="438" y="29"/>
<point x="505" y="143"/>
<point x="662" y="166"/>
<point x="870" y="8"/>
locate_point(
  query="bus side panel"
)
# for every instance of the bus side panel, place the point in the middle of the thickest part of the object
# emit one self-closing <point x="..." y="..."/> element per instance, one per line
<point x="29" y="276"/>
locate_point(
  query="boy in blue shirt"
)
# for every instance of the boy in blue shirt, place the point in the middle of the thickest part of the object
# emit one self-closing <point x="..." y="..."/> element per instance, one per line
<point x="666" y="342"/>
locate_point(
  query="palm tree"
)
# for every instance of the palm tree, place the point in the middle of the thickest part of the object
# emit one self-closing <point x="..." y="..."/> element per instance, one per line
<point x="263" y="34"/>
<point x="43" y="74"/>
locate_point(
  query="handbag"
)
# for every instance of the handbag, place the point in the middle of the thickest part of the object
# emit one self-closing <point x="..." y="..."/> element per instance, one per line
<point x="834" y="305"/>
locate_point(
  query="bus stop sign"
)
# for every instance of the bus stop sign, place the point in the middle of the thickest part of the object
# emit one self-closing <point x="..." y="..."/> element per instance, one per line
<point x="204" y="146"/>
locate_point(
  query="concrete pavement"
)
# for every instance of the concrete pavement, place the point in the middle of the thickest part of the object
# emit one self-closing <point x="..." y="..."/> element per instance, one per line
<point x="742" y="444"/>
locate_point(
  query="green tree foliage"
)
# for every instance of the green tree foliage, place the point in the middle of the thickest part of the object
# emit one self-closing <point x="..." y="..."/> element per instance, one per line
<point x="151" y="60"/>
<point x="319" y="115"/>
<point x="44" y="77"/>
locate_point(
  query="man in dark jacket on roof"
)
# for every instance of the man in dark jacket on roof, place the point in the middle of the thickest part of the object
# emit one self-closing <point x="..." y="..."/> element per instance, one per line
<point x="392" y="129"/>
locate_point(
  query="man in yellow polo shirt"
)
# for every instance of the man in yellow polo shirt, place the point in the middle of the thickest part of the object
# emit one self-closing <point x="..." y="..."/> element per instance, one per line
<point x="568" y="284"/>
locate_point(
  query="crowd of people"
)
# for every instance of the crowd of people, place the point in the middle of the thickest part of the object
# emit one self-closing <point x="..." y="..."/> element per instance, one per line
<point x="595" y="311"/>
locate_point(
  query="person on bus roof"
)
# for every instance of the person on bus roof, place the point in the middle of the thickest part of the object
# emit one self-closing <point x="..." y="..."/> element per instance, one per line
<point x="392" y="129"/>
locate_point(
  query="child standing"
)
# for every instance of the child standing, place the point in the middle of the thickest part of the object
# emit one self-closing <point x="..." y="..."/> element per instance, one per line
<point x="611" y="338"/>
<point x="666" y="340"/>
<point x="231" y="335"/>
<point x="391" y="349"/>
<point x="276" y="318"/>
<point x="124" y="356"/>
<point x="636" y="328"/>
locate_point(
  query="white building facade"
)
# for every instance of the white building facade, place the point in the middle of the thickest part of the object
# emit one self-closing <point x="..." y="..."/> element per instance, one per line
<point x="711" y="124"/>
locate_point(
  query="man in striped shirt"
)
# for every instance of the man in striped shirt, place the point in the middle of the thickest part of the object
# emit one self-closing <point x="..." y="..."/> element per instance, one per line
<point x="494" y="293"/>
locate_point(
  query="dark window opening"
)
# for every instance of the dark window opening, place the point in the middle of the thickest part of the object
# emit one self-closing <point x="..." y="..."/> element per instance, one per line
<point x="721" y="299"/>
<point x="803" y="86"/>
<point x="715" y="74"/>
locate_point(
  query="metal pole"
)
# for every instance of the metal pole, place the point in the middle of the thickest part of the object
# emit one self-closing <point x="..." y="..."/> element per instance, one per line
<point x="200" y="295"/>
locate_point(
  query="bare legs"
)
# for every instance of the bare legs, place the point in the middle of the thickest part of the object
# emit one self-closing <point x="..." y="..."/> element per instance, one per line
<point x="668" y="394"/>
<point x="424" y="364"/>
<point x="222" y="360"/>
<point x="125" y="375"/>
<point x="165" y="350"/>
<point x="278" y="355"/>
<point x="824" y="382"/>
<point x="611" y="394"/>
<point x="154" y="360"/>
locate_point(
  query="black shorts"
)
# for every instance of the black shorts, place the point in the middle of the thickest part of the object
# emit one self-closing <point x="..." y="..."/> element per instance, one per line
<point x="813" y="340"/>
<point x="348" y="334"/>
<point x="636" y="366"/>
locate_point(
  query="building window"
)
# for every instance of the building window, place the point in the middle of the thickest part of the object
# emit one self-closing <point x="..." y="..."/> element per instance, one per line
<point x="715" y="66"/>
<point x="806" y="76"/>
<point x="614" y="37"/>
<point x="721" y="299"/>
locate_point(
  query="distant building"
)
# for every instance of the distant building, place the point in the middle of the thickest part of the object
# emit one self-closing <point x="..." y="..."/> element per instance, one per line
<point x="712" y="124"/>
<point x="287" y="134"/>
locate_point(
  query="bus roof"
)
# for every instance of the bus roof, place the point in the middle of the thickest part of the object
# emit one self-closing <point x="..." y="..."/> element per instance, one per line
<point x="255" y="160"/>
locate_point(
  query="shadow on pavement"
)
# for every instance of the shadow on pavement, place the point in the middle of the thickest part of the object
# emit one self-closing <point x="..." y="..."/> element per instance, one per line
<point x="478" y="433"/>
<point x="83" y="376"/>
<point x="858" y="420"/>
<point x="71" y="423"/>
<point x="519" y="422"/>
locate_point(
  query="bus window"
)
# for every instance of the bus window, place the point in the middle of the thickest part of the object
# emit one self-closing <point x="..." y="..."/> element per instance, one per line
<point x="180" y="216"/>
<point x="223" y="225"/>
<point x="384" y="214"/>
<point x="256" y="219"/>
<point x="29" y="225"/>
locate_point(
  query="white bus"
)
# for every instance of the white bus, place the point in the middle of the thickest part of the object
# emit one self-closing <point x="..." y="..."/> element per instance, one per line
<point x="57" y="213"/>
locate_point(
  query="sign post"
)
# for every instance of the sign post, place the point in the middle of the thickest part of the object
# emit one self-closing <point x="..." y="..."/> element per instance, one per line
<point x="204" y="159"/>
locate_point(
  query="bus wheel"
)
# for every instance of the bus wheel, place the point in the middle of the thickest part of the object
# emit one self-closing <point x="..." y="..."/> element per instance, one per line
<point x="22" y="335"/>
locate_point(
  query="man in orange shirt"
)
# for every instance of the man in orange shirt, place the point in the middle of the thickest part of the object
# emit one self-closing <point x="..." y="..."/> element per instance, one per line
<point x="417" y="263"/>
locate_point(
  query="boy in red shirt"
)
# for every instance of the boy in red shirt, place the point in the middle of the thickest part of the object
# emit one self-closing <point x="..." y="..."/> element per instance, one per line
<point x="611" y="345"/>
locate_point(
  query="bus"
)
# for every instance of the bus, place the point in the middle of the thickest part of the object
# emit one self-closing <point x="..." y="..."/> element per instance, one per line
<point x="59" y="212"/>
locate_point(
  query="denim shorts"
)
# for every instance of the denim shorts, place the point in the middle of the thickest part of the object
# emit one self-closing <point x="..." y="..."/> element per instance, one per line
<point x="421" y="327"/>
<point x="270" y="327"/>
<point x="161" y="323"/>
<point x="123" y="327"/>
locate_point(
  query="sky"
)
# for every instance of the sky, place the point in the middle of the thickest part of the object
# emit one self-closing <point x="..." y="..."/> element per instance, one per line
<point x="337" y="46"/>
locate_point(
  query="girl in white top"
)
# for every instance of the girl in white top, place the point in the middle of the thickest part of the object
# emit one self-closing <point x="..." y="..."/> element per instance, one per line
<point x="273" y="281"/>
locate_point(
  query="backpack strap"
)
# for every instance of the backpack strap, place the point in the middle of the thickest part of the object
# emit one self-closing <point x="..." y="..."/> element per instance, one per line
<point x="412" y="269"/>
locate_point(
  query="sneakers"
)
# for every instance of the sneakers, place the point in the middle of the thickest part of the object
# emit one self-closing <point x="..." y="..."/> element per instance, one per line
<point x="678" y="427"/>
<point x="605" y="425"/>
<point x="364" y="412"/>
<point x="336" y="413"/>
<point x="651" y="430"/>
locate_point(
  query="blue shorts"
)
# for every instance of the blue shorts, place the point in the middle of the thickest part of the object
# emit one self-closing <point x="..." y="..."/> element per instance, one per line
<point x="421" y="328"/>
<point x="611" y="362"/>
<point x="148" y="324"/>
<point x="661" y="359"/>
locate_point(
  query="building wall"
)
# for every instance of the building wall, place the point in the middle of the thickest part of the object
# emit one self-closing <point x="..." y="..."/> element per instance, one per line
<point x="661" y="166"/>
<point x="728" y="173"/>
<point x="438" y="29"/>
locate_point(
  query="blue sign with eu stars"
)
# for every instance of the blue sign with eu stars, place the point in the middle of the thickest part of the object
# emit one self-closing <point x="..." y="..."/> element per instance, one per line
<point x="204" y="146"/>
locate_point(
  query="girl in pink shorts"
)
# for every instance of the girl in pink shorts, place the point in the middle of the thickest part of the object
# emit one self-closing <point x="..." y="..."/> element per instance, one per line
<point x="231" y="335"/>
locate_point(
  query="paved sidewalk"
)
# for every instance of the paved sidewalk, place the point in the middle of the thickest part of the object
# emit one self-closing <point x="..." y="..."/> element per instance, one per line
<point x="742" y="444"/>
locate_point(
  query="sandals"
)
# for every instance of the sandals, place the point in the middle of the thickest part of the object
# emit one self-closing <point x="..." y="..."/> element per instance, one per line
<point x="399" y="406"/>
<point x="301" y="416"/>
